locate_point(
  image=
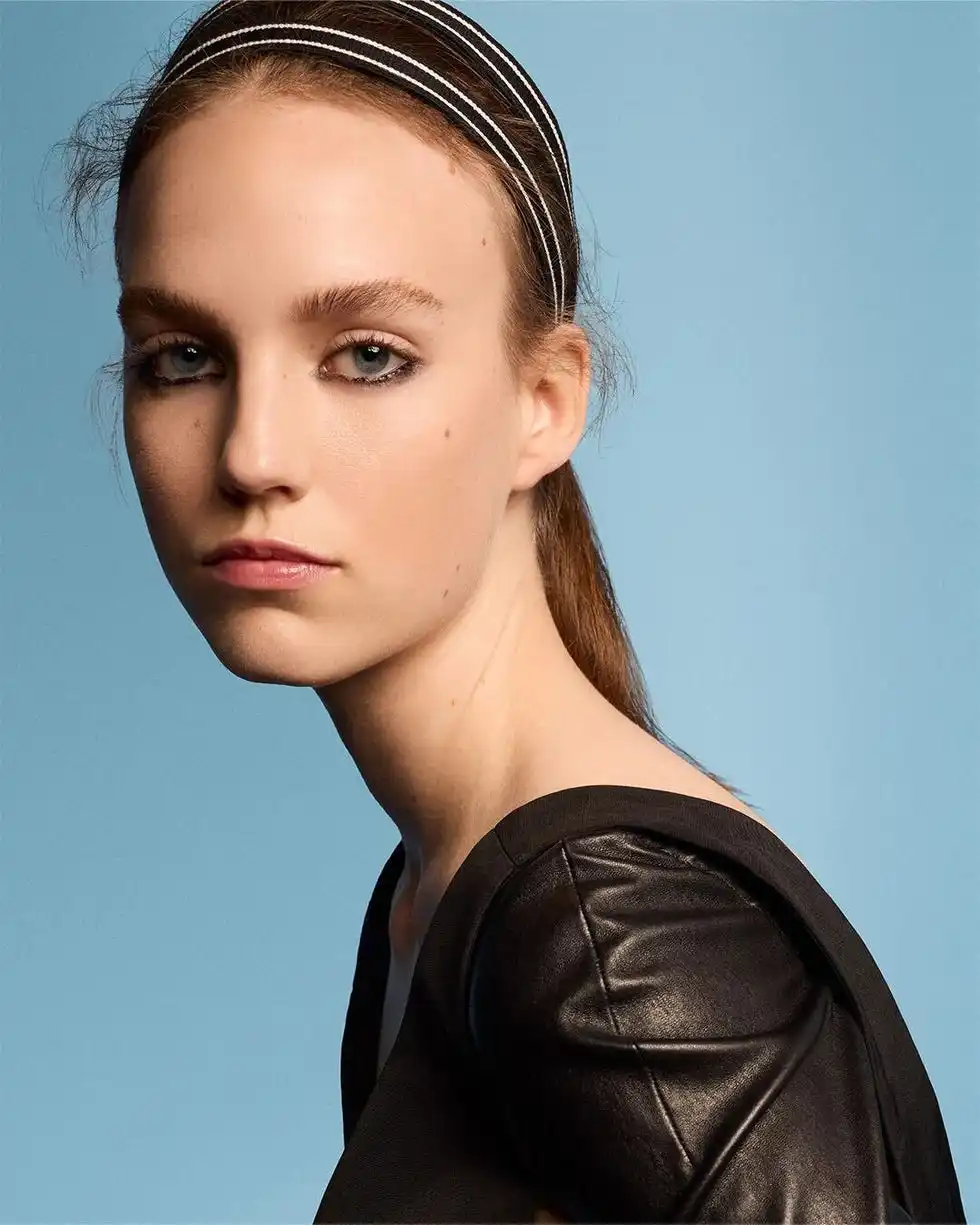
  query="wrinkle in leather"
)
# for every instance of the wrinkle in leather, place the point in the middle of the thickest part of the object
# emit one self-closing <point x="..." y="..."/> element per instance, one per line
<point x="659" y="1050"/>
<point x="678" y="1056"/>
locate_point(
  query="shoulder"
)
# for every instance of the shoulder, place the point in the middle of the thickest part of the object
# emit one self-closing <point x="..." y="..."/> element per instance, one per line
<point x="659" y="1044"/>
<point x="621" y="900"/>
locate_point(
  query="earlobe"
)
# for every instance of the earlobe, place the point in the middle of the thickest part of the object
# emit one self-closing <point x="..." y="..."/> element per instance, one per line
<point x="556" y="399"/>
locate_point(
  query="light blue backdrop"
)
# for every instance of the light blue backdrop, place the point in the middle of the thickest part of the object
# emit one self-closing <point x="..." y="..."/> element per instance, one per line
<point x="788" y="199"/>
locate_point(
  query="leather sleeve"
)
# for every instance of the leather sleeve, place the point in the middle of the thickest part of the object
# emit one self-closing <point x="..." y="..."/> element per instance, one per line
<point x="658" y="1049"/>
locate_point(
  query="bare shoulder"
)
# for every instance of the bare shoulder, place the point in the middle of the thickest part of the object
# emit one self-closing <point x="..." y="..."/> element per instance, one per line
<point x="632" y="757"/>
<point x="624" y="754"/>
<point x="679" y="775"/>
<point x="646" y="762"/>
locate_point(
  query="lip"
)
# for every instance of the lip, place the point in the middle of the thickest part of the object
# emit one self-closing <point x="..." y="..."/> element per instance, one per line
<point x="241" y="548"/>
<point x="279" y="574"/>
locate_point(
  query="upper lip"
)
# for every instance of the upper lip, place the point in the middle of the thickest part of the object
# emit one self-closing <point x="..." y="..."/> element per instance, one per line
<point x="269" y="550"/>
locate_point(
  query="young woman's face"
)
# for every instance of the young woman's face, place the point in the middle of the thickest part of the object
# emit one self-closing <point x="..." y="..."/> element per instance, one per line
<point x="404" y="482"/>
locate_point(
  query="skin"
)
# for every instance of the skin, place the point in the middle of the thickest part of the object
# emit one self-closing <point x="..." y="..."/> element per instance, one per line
<point x="432" y="648"/>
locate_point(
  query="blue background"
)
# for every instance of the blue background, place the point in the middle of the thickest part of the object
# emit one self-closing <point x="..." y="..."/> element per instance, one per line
<point x="788" y="199"/>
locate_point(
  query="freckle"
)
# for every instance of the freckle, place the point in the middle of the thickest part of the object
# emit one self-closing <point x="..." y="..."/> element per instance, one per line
<point x="457" y="566"/>
<point x="483" y="242"/>
<point x="446" y="435"/>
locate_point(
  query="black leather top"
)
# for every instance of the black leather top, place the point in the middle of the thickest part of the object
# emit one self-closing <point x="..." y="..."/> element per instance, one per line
<point x="633" y="1005"/>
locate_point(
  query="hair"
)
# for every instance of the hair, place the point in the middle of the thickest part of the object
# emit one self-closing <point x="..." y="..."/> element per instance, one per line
<point x="110" y="140"/>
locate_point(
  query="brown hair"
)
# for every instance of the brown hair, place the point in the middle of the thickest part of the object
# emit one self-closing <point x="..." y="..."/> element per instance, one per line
<point x="107" y="145"/>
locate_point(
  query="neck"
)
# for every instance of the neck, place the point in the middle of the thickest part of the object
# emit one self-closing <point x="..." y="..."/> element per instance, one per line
<point x="453" y="734"/>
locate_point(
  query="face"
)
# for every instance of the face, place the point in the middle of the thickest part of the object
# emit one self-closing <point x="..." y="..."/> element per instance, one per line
<point x="382" y="435"/>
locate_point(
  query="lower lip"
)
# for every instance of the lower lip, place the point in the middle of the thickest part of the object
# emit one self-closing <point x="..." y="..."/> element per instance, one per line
<point x="257" y="573"/>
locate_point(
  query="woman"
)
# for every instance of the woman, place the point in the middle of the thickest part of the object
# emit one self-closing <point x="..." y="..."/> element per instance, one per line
<point x="592" y="984"/>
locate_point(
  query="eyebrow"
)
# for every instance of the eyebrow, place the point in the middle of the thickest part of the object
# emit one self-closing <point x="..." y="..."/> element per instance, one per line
<point x="316" y="304"/>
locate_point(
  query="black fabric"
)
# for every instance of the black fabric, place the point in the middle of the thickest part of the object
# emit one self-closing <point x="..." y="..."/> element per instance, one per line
<point x="635" y="1005"/>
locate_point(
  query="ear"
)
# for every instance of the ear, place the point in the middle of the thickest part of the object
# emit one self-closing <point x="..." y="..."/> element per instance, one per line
<point x="554" y="404"/>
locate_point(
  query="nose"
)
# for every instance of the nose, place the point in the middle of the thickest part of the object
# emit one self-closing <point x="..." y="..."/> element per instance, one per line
<point x="268" y="442"/>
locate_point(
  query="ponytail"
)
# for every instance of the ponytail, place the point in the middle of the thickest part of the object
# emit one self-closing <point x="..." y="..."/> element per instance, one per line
<point x="584" y="606"/>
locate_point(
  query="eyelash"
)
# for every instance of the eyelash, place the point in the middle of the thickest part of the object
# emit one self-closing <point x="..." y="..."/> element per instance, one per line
<point x="140" y="358"/>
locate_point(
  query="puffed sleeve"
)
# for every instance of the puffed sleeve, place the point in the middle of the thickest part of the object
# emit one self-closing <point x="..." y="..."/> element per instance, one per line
<point x="658" y="1048"/>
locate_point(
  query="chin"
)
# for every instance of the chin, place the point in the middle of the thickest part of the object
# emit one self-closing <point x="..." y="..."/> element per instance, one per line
<point x="290" y="653"/>
<point x="266" y="672"/>
<point x="273" y="663"/>
<point x="306" y="648"/>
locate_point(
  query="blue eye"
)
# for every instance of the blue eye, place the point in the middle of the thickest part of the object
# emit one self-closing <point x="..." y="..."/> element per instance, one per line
<point x="373" y="354"/>
<point x="143" y="359"/>
<point x="370" y="355"/>
<point x="178" y="352"/>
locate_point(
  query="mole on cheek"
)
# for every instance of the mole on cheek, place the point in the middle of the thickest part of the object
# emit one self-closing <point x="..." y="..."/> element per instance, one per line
<point x="446" y="434"/>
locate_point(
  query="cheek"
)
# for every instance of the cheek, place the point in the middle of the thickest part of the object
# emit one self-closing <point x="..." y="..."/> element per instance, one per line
<point x="425" y="514"/>
<point x="168" y="471"/>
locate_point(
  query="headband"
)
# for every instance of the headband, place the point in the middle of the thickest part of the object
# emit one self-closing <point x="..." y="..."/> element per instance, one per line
<point x="469" y="41"/>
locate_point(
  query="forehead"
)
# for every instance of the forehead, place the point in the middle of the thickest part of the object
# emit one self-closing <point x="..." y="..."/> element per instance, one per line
<point x="254" y="200"/>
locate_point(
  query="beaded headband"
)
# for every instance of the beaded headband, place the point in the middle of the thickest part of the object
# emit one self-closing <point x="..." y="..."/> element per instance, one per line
<point x="469" y="41"/>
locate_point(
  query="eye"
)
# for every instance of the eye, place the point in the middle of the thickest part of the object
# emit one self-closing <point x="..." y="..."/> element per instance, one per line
<point x="371" y="358"/>
<point x="183" y="352"/>
<point x="178" y="362"/>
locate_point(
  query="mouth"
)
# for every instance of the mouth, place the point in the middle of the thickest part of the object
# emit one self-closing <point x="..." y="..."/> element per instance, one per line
<point x="266" y="565"/>
<point x="263" y="551"/>
<point x="270" y="573"/>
